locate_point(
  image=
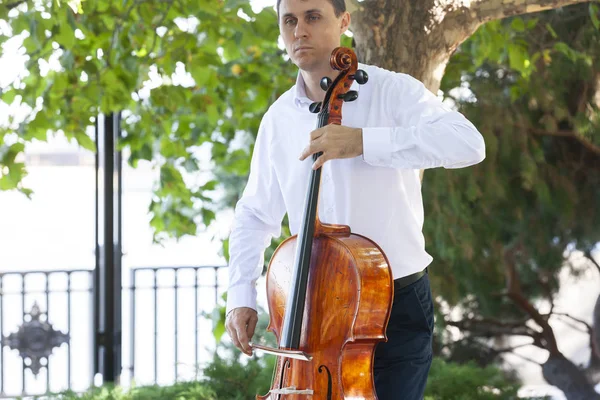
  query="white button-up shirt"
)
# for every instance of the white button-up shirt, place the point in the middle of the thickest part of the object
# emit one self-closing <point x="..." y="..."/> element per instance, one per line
<point x="405" y="128"/>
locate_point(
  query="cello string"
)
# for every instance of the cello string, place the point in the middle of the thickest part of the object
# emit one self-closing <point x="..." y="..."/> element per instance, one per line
<point x="297" y="297"/>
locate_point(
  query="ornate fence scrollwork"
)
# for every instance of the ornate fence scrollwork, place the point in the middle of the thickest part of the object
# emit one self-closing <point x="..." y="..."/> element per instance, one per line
<point x="35" y="340"/>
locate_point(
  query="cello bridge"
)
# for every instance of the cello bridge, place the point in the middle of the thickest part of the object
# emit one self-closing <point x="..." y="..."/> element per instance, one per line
<point x="291" y="390"/>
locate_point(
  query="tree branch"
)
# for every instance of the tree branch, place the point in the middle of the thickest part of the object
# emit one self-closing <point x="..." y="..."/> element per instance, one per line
<point x="573" y="326"/>
<point x="526" y="358"/>
<point x="564" y="133"/>
<point x="543" y="280"/>
<point x="515" y="293"/>
<point x="595" y="335"/>
<point x="512" y="348"/>
<point x="494" y="328"/>
<point x="588" y="326"/>
<point x="488" y="10"/>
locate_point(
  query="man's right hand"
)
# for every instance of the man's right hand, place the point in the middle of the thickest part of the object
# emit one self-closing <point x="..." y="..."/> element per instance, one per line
<point x="240" y="324"/>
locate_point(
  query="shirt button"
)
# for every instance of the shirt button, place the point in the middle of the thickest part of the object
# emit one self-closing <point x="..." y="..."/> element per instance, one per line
<point x="330" y="210"/>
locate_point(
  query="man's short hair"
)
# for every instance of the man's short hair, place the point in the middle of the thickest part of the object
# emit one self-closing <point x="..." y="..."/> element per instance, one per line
<point x="339" y="6"/>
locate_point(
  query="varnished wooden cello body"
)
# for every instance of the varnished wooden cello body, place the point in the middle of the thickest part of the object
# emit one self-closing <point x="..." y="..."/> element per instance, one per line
<point x="329" y="290"/>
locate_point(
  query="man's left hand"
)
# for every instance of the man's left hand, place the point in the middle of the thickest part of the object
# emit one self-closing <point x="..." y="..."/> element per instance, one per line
<point x="335" y="141"/>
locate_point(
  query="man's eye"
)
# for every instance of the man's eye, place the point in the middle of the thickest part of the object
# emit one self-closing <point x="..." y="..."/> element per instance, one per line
<point x="313" y="17"/>
<point x="289" y="21"/>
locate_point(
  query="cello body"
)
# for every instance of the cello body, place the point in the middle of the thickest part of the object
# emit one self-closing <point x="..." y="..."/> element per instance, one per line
<point x="346" y="315"/>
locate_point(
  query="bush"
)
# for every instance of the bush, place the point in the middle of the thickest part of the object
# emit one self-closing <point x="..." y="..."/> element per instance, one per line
<point x="452" y="381"/>
<point x="178" y="391"/>
<point x="234" y="375"/>
<point x="231" y="375"/>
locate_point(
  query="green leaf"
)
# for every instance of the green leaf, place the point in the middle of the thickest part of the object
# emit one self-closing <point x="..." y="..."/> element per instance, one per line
<point x="65" y="36"/>
<point x="60" y="82"/>
<point x="85" y="141"/>
<point x="551" y="30"/>
<point x="517" y="24"/>
<point x="218" y="319"/>
<point x="225" y="249"/>
<point x="210" y="185"/>
<point x="200" y="73"/>
<point x="532" y="23"/>
<point x="207" y="216"/>
<point x="566" y="50"/>
<point x="213" y="113"/>
<point x="8" y="154"/>
<point x="9" y="96"/>
<point x="146" y="11"/>
<point x="594" y="11"/>
<point x="109" y="22"/>
<point x="39" y="126"/>
<point x="518" y="58"/>
<point x="18" y="25"/>
<point x="15" y="174"/>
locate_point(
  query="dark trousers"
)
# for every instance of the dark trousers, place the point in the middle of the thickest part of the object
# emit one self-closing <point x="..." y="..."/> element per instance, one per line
<point x="402" y="363"/>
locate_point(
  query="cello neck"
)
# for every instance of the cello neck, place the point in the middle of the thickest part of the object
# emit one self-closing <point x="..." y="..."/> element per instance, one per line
<point x="292" y="323"/>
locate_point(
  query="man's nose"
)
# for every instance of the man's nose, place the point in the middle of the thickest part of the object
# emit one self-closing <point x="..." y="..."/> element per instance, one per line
<point x="301" y="30"/>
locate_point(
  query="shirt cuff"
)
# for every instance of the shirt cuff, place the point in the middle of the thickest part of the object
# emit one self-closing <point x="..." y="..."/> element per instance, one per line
<point x="377" y="146"/>
<point x="243" y="295"/>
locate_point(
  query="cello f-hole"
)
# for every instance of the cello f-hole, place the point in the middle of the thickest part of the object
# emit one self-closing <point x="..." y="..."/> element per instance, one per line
<point x="329" y="383"/>
<point x="286" y="363"/>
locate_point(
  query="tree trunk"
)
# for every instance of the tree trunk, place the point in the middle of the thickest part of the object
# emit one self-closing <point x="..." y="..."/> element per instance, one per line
<point x="596" y="333"/>
<point x="405" y="36"/>
<point x="562" y="373"/>
<point x="418" y="37"/>
<point x="593" y="370"/>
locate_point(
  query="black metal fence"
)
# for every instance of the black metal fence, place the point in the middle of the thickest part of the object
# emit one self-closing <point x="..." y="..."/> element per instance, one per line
<point x="46" y="326"/>
<point x="175" y="319"/>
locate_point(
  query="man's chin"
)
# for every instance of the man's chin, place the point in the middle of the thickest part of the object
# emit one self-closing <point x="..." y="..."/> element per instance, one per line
<point x="307" y="64"/>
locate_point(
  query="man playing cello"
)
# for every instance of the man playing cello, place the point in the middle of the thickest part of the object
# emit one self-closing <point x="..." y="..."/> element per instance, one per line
<point x="370" y="182"/>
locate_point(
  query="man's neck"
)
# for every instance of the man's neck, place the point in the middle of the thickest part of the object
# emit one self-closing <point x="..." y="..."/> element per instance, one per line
<point x="312" y="83"/>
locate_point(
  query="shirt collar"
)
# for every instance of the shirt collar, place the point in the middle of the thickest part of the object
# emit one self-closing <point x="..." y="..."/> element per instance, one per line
<point x="300" y="97"/>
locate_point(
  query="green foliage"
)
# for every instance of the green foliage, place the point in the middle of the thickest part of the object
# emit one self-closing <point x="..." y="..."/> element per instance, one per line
<point x="239" y="379"/>
<point x="539" y="188"/>
<point x="452" y="381"/>
<point x="232" y="374"/>
<point x="234" y="378"/>
<point x="178" y="391"/>
<point x="449" y="381"/>
<point x="109" y="50"/>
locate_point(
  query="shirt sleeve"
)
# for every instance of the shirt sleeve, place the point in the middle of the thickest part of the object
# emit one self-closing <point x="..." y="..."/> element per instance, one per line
<point x="257" y="219"/>
<point x="426" y="133"/>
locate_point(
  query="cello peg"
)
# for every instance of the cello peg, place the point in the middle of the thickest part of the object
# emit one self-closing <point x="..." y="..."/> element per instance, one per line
<point x="349" y="96"/>
<point x="325" y="83"/>
<point x="315" y="107"/>
<point x="361" y="77"/>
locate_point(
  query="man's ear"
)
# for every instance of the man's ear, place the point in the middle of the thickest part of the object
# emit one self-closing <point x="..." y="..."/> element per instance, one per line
<point x="345" y="22"/>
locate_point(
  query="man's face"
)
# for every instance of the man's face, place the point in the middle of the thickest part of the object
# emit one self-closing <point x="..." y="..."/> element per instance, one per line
<point x="310" y="31"/>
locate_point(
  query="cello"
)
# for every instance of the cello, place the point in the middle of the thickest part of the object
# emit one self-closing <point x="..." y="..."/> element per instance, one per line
<point x="329" y="290"/>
